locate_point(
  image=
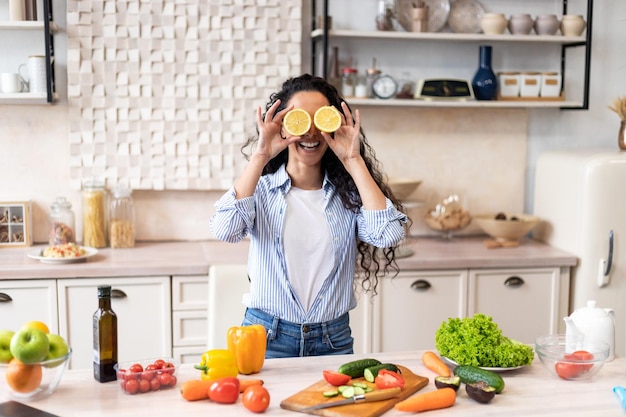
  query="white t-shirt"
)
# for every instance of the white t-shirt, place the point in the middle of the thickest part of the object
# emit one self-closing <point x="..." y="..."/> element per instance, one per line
<point x="308" y="246"/>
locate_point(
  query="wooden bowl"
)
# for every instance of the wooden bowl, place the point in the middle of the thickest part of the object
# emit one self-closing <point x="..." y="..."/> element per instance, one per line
<point x="511" y="229"/>
<point x="402" y="188"/>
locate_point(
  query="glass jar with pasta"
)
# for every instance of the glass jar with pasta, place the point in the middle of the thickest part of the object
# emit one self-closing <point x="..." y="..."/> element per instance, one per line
<point x="94" y="204"/>
<point x="122" y="218"/>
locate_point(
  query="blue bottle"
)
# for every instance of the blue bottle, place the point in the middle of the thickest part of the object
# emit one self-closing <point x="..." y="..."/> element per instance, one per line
<point x="485" y="83"/>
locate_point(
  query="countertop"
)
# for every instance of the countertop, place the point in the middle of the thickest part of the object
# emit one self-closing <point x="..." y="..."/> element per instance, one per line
<point x="195" y="258"/>
<point x="530" y="391"/>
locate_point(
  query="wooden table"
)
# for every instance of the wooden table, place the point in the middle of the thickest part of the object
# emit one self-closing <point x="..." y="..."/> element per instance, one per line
<point x="530" y="391"/>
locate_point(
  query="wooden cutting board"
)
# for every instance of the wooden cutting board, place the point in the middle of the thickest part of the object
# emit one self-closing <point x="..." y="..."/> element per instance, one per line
<point x="313" y="395"/>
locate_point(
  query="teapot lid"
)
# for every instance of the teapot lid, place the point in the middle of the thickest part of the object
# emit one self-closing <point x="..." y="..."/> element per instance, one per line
<point x="590" y="311"/>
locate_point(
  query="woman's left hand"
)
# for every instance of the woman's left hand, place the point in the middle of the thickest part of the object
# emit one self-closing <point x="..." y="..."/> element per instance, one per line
<point x="346" y="141"/>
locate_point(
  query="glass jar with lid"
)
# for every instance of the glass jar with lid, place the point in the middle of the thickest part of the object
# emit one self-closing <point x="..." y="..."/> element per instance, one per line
<point x="94" y="204"/>
<point x="348" y="81"/>
<point x="122" y="218"/>
<point x="61" y="222"/>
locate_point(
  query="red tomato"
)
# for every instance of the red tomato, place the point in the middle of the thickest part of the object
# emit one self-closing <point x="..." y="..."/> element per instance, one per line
<point x="173" y="381"/>
<point x="256" y="398"/>
<point x="131" y="386"/>
<point x="168" y="367"/>
<point x="155" y="384"/>
<point x="159" y="363"/>
<point x="335" y="378"/>
<point x="388" y="379"/>
<point x="135" y="368"/>
<point x="165" y="380"/>
<point x="581" y="355"/>
<point x="144" y="385"/>
<point x="567" y="370"/>
<point x="224" y="390"/>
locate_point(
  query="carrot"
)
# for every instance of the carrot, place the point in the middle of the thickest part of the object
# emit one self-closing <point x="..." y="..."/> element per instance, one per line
<point x="245" y="383"/>
<point x="196" y="389"/>
<point x="432" y="400"/>
<point x="434" y="363"/>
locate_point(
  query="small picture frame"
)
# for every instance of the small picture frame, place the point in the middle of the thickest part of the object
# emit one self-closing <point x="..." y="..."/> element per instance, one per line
<point x="15" y="224"/>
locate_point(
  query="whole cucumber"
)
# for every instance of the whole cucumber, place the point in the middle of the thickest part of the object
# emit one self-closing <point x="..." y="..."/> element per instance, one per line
<point x="470" y="374"/>
<point x="356" y="368"/>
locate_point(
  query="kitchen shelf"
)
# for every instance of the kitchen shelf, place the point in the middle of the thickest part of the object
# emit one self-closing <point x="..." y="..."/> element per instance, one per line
<point x="318" y="34"/>
<point x="48" y="28"/>
<point x="323" y="35"/>
<point x="508" y="104"/>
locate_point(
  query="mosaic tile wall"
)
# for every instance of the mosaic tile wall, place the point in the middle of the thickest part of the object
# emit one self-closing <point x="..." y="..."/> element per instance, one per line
<point x="163" y="93"/>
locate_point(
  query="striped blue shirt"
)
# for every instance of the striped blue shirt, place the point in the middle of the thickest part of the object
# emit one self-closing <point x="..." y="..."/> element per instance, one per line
<point x="262" y="216"/>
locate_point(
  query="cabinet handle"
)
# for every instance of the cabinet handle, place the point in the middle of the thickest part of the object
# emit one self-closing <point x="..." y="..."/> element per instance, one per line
<point x="118" y="293"/>
<point x="514" y="281"/>
<point x="420" y="285"/>
<point x="5" y="298"/>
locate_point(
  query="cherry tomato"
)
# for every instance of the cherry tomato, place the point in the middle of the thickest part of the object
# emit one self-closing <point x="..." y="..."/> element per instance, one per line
<point x="135" y="368"/>
<point x="155" y="384"/>
<point x="144" y="385"/>
<point x="165" y="380"/>
<point x="173" y="381"/>
<point x="256" y="398"/>
<point x="131" y="386"/>
<point x="224" y="390"/>
<point x="168" y="367"/>
<point x="159" y="363"/>
<point x="336" y="378"/>
<point x="388" y="379"/>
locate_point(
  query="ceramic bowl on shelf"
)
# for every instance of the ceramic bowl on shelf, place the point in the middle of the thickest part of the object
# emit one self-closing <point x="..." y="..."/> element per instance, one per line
<point x="506" y="227"/>
<point x="33" y="381"/>
<point x="572" y="365"/>
<point x="494" y="23"/>
<point x="402" y="188"/>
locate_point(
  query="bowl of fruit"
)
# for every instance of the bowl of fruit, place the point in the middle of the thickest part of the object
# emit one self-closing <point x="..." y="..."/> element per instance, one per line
<point x="506" y="227"/>
<point x="32" y="361"/>
<point x="139" y="377"/>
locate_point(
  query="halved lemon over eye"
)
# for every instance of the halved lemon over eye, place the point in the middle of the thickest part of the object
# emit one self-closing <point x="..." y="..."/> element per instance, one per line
<point x="327" y="119"/>
<point x="297" y="122"/>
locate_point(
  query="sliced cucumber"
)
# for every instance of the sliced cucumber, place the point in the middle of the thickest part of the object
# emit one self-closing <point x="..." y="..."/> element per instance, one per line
<point x="331" y="393"/>
<point x="371" y="372"/>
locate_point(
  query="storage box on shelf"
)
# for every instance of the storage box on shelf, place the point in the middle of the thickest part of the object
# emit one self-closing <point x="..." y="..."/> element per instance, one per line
<point x="15" y="224"/>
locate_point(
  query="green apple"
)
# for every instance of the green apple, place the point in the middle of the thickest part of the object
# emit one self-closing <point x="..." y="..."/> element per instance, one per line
<point x="58" y="348"/>
<point x="30" y="345"/>
<point x="5" y="345"/>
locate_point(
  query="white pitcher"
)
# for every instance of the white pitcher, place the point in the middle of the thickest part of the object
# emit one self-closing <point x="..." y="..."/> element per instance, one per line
<point x="590" y="323"/>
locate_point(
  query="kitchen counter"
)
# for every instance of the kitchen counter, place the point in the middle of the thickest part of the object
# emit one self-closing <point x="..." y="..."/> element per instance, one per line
<point x="530" y="391"/>
<point x="194" y="258"/>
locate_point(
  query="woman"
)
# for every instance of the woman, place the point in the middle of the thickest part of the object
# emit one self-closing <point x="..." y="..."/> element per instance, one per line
<point x="312" y="206"/>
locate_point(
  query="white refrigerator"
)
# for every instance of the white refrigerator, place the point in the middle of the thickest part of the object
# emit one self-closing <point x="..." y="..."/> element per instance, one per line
<point x="581" y="198"/>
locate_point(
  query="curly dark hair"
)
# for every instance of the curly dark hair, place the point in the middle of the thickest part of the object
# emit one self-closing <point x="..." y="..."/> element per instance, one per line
<point x="370" y="259"/>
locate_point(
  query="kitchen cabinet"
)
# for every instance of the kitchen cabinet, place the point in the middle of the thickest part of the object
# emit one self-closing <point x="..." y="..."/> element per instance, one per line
<point x="411" y="306"/>
<point x="9" y="31"/>
<point x="525" y="303"/>
<point x="435" y="53"/>
<point x="25" y="300"/>
<point x="189" y="317"/>
<point x="144" y="316"/>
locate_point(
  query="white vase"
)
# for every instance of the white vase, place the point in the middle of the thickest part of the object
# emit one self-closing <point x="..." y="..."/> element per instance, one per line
<point x="572" y="25"/>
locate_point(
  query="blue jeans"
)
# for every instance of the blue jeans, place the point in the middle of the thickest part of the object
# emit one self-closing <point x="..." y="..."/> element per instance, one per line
<point x="286" y="339"/>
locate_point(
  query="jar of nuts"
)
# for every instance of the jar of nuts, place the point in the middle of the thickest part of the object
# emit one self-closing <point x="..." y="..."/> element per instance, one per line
<point x="61" y="222"/>
<point x="448" y="216"/>
<point x="122" y="218"/>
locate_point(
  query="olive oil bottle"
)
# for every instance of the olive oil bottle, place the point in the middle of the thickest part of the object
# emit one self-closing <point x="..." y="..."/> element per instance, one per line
<point x="104" y="337"/>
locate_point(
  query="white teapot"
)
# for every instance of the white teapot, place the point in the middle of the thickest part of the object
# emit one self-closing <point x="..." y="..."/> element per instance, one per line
<point x="591" y="323"/>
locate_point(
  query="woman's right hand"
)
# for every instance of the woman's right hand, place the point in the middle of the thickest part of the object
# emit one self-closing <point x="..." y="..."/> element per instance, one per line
<point x="270" y="142"/>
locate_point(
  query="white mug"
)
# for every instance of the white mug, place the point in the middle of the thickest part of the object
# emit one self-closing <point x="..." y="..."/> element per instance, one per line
<point x="36" y="67"/>
<point x="11" y="82"/>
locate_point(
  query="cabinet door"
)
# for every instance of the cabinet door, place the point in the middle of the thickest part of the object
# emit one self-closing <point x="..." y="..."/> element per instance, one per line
<point x="523" y="302"/>
<point x="26" y="300"/>
<point x="410" y="308"/>
<point x="361" y="321"/>
<point x="144" y="317"/>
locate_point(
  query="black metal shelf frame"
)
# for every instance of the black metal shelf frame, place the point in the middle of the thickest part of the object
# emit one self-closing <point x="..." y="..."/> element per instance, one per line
<point x="564" y="48"/>
<point x="49" y="45"/>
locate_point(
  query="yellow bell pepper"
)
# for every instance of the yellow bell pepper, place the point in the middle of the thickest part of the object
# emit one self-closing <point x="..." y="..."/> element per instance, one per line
<point x="217" y="363"/>
<point x="248" y="344"/>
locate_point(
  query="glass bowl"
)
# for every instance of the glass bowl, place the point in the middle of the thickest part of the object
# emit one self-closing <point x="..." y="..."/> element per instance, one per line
<point x="580" y="363"/>
<point x="448" y="216"/>
<point x="146" y="375"/>
<point x="28" y="382"/>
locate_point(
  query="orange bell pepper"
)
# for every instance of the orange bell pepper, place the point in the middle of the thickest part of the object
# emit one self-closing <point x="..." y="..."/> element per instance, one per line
<point x="248" y="344"/>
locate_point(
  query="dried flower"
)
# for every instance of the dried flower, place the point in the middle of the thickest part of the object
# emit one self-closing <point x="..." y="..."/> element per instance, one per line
<point x="619" y="107"/>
